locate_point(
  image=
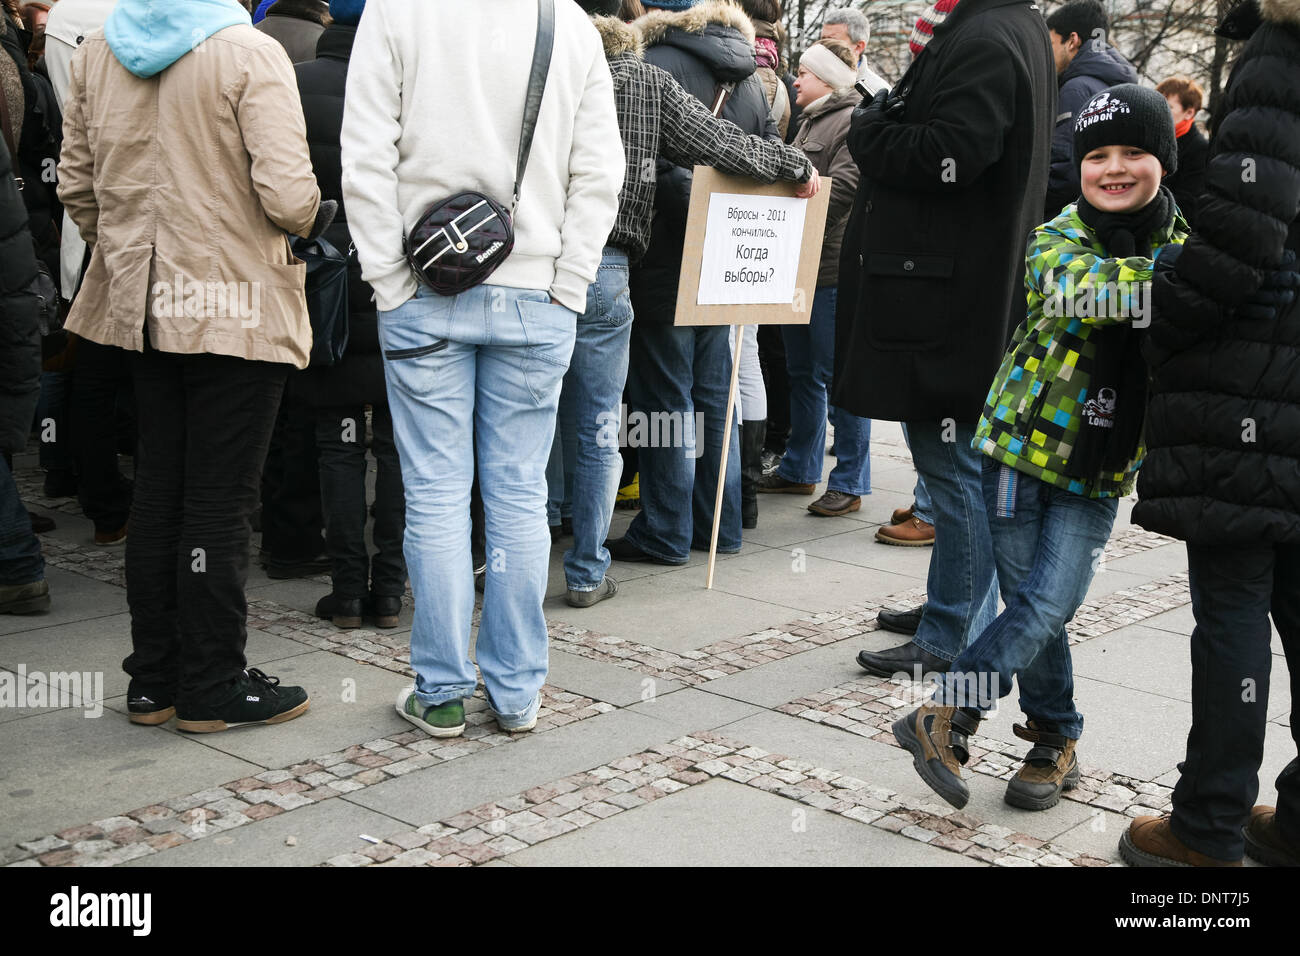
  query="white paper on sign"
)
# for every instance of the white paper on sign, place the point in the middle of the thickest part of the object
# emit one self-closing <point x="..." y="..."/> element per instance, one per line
<point x="751" y="249"/>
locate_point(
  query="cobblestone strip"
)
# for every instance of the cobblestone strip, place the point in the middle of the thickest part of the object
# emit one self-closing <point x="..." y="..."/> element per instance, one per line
<point x="185" y="819"/>
<point x="562" y="806"/>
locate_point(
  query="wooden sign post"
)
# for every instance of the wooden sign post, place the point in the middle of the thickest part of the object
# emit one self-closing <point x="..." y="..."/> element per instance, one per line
<point x="750" y="258"/>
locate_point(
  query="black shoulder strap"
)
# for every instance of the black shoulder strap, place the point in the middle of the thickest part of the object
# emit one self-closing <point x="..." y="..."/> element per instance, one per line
<point x="536" y="86"/>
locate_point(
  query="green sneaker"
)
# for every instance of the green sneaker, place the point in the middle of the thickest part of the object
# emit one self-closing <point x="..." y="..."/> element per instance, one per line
<point x="441" y="720"/>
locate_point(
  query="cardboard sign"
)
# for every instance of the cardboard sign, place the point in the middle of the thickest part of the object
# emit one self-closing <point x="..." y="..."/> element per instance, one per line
<point x="751" y="252"/>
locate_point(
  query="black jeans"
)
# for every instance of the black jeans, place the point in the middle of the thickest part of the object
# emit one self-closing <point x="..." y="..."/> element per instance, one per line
<point x="102" y="376"/>
<point x="205" y="423"/>
<point x="1233" y="591"/>
<point x="340" y="436"/>
<point x="291" y="503"/>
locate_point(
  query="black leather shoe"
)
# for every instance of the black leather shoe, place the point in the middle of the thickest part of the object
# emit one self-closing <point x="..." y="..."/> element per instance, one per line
<point x="383" y="610"/>
<point x="343" y="612"/>
<point x="901" y="622"/>
<point x="620" y="549"/>
<point x="905" y="659"/>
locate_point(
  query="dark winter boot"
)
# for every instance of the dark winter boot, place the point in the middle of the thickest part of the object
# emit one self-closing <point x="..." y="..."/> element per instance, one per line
<point x="752" y="434"/>
<point x="1050" y="768"/>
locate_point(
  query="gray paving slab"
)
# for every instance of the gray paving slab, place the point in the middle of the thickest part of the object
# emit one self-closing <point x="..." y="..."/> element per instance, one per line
<point x="1159" y="662"/>
<point x="673" y="611"/>
<point x="63" y="768"/>
<point x="757" y="829"/>
<point x="1097" y="836"/>
<point x="319" y="831"/>
<point x="793" y="578"/>
<point x="101" y="644"/>
<point x="894" y="476"/>
<point x="603" y="681"/>
<point x="350" y="704"/>
<point x="785" y="519"/>
<point x="443" y="790"/>
<point x="73" y="597"/>
<point x="862" y="548"/>
<point x="691" y="709"/>
<point x="1155" y="562"/>
<point x="780" y="682"/>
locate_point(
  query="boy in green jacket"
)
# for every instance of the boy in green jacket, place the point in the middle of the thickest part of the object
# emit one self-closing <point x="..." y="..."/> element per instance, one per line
<point x="1062" y="434"/>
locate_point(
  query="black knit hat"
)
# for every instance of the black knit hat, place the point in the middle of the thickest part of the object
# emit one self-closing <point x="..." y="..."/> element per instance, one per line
<point x="602" y="8"/>
<point x="1127" y="115"/>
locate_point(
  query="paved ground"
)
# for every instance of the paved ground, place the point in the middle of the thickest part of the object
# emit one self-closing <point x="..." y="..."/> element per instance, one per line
<point x="680" y="726"/>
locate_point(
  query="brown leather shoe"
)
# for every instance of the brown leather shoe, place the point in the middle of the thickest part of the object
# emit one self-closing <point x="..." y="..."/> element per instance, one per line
<point x="912" y="533"/>
<point x="1264" y="841"/>
<point x="774" y="484"/>
<point x="835" y="503"/>
<point x="1150" y="842"/>
<point x="109" y="539"/>
<point x="902" y="514"/>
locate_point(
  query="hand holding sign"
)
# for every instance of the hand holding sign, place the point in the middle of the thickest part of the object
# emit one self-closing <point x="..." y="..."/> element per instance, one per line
<point x="809" y="189"/>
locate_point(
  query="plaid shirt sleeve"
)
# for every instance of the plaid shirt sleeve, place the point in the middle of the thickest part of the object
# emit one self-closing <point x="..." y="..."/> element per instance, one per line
<point x="691" y="135"/>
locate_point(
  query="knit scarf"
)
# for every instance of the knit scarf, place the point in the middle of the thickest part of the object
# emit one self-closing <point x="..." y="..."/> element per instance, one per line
<point x="1182" y="126"/>
<point x="1110" y="425"/>
<point x="926" y="22"/>
<point x="767" y="53"/>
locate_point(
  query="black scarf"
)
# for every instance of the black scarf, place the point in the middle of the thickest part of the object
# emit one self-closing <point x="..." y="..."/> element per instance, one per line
<point x="1111" y="419"/>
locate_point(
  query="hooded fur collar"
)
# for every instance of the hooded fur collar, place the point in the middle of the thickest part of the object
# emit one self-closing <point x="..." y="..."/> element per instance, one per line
<point x="617" y="36"/>
<point x="656" y="24"/>
<point x="1280" y="11"/>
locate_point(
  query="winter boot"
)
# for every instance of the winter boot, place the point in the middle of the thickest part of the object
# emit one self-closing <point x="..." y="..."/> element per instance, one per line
<point x="936" y="737"/>
<point x="1050" y="768"/>
<point x="752" y="434"/>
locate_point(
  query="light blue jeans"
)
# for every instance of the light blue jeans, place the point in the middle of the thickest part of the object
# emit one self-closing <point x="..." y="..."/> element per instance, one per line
<point x="589" y="404"/>
<point x="488" y="364"/>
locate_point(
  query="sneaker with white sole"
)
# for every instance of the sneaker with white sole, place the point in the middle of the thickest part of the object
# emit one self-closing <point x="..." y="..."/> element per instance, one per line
<point x="439" y="720"/>
<point x="606" y="589"/>
<point x="513" y="725"/>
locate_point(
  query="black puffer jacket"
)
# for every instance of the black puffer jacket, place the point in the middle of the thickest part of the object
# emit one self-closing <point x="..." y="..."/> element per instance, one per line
<point x="1187" y="182"/>
<point x="359" y="378"/>
<point x="707" y="45"/>
<point x="20" y="338"/>
<point x="1223" y="426"/>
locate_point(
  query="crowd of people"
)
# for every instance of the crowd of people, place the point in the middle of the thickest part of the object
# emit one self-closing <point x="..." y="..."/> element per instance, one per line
<point x="1042" y="268"/>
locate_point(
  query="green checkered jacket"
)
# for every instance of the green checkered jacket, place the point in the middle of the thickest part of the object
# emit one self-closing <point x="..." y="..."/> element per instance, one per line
<point x="1032" y="414"/>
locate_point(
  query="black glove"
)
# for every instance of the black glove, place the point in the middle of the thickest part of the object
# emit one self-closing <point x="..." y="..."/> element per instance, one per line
<point x="1277" y="292"/>
<point x="324" y="216"/>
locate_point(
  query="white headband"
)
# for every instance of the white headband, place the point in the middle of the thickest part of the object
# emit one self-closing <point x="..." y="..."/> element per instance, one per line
<point x="828" y="67"/>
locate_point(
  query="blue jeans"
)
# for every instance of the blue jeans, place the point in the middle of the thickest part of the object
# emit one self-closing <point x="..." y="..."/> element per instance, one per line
<point x="487" y="365"/>
<point x="810" y="360"/>
<point x="21" y="561"/>
<point x="1047" y="554"/>
<point x="961" y="589"/>
<point x="590" y="400"/>
<point x="922" y="507"/>
<point x="681" y="371"/>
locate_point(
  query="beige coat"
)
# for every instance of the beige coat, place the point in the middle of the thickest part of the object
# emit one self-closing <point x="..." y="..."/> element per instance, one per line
<point x="185" y="184"/>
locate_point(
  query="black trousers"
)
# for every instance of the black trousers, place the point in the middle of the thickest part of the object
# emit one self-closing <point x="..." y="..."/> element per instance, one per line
<point x="771" y="359"/>
<point x="205" y="423"/>
<point x="100" y="383"/>
<point x="292" y="521"/>
<point x="340" y="436"/>
<point x="1233" y="592"/>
